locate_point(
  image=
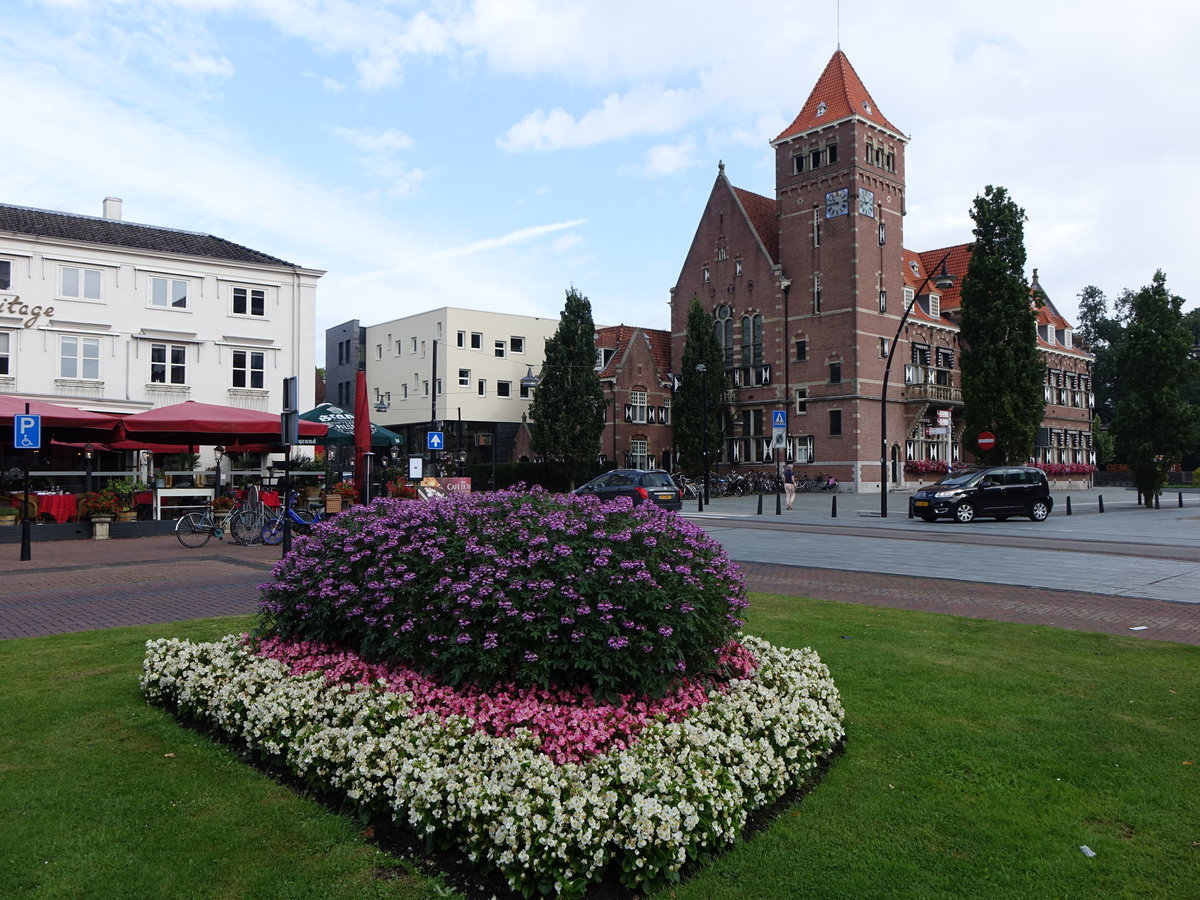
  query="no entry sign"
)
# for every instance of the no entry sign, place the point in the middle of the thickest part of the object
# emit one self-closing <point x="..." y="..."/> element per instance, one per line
<point x="986" y="440"/>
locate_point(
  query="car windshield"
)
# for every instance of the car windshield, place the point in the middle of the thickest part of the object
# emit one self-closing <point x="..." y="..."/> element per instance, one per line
<point x="960" y="478"/>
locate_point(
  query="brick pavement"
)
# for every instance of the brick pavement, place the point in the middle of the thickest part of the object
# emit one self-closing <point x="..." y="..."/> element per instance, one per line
<point x="83" y="585"/>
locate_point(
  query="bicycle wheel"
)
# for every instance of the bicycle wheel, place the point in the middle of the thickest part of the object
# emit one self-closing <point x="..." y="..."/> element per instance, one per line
<point x="193" y="530"/>
<point x="245" y="526"/>
<point x="272" y="533"/>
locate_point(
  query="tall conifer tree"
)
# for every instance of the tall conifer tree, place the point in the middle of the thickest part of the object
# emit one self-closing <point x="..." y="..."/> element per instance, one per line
<point x="1002" y="372"/>
<point x="1154" y="424"/>
<point x="700" y="348"/>
<point x="568" y="404"/>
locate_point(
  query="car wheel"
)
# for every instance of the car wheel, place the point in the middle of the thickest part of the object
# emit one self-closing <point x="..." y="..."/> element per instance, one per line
<point x="929" y="518"/>
<point x="1039" y="511"/>
<point x="964" y="513"/>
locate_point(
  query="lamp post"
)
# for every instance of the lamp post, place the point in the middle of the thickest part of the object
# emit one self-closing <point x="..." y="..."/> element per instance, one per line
<point x="943" y="281"/>
<point x="88" y="450"/>
<point x="703" y="370"/>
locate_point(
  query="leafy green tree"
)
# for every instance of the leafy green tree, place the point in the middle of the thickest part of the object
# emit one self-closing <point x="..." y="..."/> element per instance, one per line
<point x="1002" y="371"/>
<point x="1154" y="425"/>
<point x="568" y="404"/>
<point x="1102" y="442"/>
<point x="700" y="348"/>
<point x="1102" y="335"/>
<point x="1191" y="393"/>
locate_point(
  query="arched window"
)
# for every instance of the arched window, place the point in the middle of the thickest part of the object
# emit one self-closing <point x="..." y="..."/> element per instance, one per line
<point x="723" y="329"/>
<point x="752" y="350"/>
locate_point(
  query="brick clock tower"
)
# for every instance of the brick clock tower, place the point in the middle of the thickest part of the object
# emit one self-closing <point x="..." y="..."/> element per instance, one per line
<point x="806" y="289"/>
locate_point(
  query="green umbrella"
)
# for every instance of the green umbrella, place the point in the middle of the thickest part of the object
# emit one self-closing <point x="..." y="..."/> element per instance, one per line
<point x="341" y="429"/>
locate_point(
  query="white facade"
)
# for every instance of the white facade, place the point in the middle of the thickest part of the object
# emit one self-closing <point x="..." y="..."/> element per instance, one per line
<point x="481" y="359"/>
<point x="118" y="327"/>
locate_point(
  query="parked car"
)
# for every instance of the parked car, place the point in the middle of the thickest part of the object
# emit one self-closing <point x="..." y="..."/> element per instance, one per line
<point x="639" y="485"/>
<point x="996" y="492"/>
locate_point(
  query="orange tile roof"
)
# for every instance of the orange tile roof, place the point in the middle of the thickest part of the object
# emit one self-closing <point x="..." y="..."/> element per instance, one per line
<point x="762" y="213"/>
<point x="843" y="94"/>
<point x="618" y="337"/>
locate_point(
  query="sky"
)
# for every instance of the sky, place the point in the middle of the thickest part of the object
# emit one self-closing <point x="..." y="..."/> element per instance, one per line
<point x="493" y="154"/>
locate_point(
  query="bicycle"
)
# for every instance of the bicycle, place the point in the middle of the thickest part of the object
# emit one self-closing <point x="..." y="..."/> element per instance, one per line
<point x="272" y="533"/>
<point x="249" y="516"/>
<point x="830" y="486"/>
<point x="197" y="529"/>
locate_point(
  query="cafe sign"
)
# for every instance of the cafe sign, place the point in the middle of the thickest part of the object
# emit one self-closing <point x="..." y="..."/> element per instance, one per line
<point x="14" y="306"/>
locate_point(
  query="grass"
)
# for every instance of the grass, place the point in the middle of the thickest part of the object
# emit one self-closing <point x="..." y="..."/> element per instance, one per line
<point x="980" y="756"/>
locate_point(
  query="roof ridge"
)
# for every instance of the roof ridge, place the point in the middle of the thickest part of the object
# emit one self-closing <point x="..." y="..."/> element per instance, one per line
<point x="838" y="94"/>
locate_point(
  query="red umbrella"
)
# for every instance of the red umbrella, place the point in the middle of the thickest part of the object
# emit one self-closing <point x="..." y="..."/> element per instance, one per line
<point x="65" y="422"/>
<point x="362" y="433"/>
<point x="206" y="423"/>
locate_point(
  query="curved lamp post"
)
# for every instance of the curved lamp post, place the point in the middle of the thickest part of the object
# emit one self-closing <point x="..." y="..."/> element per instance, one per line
<point x="942" y="280"/>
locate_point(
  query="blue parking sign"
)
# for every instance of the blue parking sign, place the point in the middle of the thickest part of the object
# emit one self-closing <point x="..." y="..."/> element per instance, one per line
<point x="27" y="432"/>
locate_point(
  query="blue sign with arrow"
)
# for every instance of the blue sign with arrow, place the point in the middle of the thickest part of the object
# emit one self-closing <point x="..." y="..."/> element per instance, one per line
<point x="433" y="440"/>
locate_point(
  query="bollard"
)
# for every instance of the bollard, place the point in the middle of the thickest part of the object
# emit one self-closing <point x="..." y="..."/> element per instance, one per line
<point x="760" y="504"/>
<point x="833" y="515"/>
<point x="1181" y="499"/>
<point x="1139" y="498"/>
<point x="911" y="514"/>
<point x="1101" y="499"/>
<point x="1068" y="506"/>
<point x="778" y="504"/>
<point x="1157" y="504"/>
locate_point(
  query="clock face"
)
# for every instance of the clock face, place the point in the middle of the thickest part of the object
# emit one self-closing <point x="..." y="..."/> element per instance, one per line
<point x="866" y="202"/>
<point x="837" y="203"/>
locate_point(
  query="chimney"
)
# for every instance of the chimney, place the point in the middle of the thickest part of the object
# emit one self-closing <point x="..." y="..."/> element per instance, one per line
<point x="112" y="208"/>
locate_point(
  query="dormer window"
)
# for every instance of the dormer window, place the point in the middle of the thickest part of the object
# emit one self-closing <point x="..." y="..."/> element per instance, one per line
<point x="1067" y="338"/>
<point x="821" y="107"/>
<point x="867" y="106"/>
<point x="915" y="268"/>
<point x="935" y="306"/>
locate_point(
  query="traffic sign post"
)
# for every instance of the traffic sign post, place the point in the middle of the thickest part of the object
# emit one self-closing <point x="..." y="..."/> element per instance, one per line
<point x="27" y="435"/>
<point x="986" y="440"/>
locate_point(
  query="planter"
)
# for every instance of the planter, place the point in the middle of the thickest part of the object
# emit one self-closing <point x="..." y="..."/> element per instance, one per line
<point x="312" y="493"/>
<point x="127" y="515"/>
<point x="100" y="527"/>
<point x="333" y="503"/>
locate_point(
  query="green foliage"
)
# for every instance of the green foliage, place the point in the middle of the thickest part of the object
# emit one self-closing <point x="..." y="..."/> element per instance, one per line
<point x="700" y="348"/>
<point x="101" y="503"/>
<point x="568" y="409"/>
<point x="1154" y="425"/>
<point x="1002" y="372"/>
<point x="1101" y="334"/>
<point x="525" y="588"/>
<point x="1102" y="442"/>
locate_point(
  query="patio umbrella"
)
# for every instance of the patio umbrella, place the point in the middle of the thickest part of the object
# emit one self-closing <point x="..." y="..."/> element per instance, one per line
<point x="61" y="422"/>
<point x="362" y="435"/>
<point x="206" y="424"/>
<point x="341" y="428"/>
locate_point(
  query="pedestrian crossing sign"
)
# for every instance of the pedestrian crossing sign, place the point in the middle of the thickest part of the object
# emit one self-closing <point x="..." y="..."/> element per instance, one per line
<point x="779" y="418"/>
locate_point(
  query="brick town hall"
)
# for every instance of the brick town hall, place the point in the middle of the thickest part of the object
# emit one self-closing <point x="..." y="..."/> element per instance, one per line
<point x="807" y="289"/>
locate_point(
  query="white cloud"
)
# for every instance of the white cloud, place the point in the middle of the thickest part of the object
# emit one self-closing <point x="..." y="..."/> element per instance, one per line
<point x="383" y="143"/>
<point x="649" y="109"/>
<point x="669" y="159"/>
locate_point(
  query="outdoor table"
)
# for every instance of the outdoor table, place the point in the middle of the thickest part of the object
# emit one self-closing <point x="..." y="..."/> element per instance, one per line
<point x="59" y="507"/>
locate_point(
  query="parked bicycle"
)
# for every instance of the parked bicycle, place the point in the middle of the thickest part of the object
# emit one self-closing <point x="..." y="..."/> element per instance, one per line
<point x="197" y="529"/>
<point x="302" y="519"/>
<point x="249" y="516"/>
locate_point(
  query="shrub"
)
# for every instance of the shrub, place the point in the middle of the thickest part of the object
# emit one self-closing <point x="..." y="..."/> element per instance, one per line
<point x="100" y="503"/>
<point x="508" y="587"/>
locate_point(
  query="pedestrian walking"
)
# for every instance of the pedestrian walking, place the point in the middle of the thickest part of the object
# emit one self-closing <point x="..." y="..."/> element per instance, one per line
<point x="789" y="485"/>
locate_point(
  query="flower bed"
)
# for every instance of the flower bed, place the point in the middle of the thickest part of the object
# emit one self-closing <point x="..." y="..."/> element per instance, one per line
<point x="398" y="745"/>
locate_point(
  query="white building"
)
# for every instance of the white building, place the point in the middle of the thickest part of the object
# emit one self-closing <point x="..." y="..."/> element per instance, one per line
<point x="481" y="358"/>
<point x="113" y="316"/>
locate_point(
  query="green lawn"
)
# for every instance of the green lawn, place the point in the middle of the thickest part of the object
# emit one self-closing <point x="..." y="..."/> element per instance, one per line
<point x="979" y="757"/>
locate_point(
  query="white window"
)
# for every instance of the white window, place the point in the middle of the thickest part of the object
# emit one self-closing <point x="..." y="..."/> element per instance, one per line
<point x="525" y="391"/>
<point x="481" y="388"/>
<point x="168" y="364"/>
<point x="637" y="453"/>
<point x="170" y="293"/>
<point x="404" y="392"/>
<point x="516" y="344"/>
<point x="666" y="411"/>
<point x="5" y="351"/>
<point x="935" y="305"/>
<point x="249" y="301"/>
<point x="414" y="346"/>
<point x="501" y="349"/>
<point x="79" y="358"/>
<point x="476" y="340"/>
<point x="462" y="339"/>
<point x="503" y="388"/>
<point x="81" y="284"/>
<point x="637" y="400"/>
<point x="801" y="401"/>
<point x="425" y="388"/>
<point x="464" y="378"/>
<point x="5" y="274"/>
<point x="249" y="369"/>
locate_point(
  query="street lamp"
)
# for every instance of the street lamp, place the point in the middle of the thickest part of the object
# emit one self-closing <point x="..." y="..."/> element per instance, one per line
<point x="703" y="370"/>
<point x="943" y="281"/>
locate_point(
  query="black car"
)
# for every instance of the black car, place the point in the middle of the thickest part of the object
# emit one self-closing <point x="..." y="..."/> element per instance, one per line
<point x="639" y="485"/>
<point x="996" y="492"/>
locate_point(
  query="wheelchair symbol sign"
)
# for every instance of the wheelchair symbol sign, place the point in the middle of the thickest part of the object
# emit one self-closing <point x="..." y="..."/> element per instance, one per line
<point x="27" y="432"/>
